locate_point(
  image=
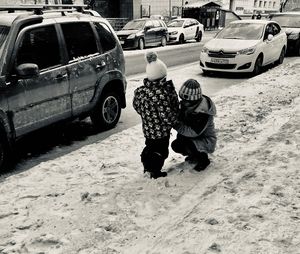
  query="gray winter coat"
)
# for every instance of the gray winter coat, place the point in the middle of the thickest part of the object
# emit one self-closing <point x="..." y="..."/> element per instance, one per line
<point x="197" y="123"/>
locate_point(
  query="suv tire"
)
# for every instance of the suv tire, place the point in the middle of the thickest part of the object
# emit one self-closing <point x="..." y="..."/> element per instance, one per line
<point x="298" y="47"/>
<point x="107" y="112"/>
<point x="4" y="153"/>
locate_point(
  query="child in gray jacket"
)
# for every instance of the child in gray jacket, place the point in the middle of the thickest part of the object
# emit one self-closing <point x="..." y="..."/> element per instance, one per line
<point x="196" y="135"/>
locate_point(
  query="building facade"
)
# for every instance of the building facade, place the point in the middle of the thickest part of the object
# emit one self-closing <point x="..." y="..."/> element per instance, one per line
<point x="163" y="7"/>
<point x="289" y="5"/>
<point x="244" y="7"/>
<point x="17" y="2"/>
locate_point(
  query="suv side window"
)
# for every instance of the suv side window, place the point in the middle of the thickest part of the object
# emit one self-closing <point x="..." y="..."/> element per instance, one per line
<point x="80" y="39"/>
<point x="107" y="40"/>
<point x="39" y="46"/>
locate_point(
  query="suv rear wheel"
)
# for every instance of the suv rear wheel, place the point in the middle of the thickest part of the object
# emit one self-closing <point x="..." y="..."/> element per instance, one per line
<point x="4" y="153"/>
<point x="298" y="47"/>
<point x="107" y="112"/>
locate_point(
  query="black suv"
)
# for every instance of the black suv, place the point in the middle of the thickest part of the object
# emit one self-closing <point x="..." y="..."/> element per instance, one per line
<point x="290" y="23"/>
<point x="141" y="33"/>
<point x="56" y="65"/>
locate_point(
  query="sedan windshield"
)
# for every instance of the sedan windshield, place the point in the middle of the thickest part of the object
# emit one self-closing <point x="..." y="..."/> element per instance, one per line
<point x="242" y="31"/>
<point x="134" y="25"/>
<point x="176" y="23"/>
<point x="287" y="20"/>
<point x="3" y="36"/>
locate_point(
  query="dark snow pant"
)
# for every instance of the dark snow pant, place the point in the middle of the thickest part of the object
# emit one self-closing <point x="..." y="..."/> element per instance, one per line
<point x="154" y="154"/>
<point x="186" y="147"/>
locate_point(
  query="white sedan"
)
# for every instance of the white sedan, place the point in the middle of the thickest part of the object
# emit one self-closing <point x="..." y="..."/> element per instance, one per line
<point x="244" y="46"/>
<point x="182" y="29"/>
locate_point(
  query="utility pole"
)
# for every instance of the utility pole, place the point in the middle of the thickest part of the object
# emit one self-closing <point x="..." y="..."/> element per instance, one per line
<point x="170" y="6"/>
<point x="231" y="5"/>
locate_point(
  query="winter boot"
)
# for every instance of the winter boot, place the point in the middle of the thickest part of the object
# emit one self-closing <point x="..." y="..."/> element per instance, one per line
<point x="153" y="163"/>
<point x="191" y="159"/>
<point x="157" y="164"/>
<point x="158" y="174"/>
<point x="203" y="162"/>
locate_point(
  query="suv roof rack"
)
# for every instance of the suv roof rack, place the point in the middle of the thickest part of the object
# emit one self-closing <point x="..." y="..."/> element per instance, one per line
<point x="39" y="9"/>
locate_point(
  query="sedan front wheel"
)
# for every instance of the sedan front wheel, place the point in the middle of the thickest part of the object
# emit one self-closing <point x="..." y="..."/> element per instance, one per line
<point x="258" y="66"/>
<point x="281" y="57"/>
<point x="199" y="36"/>
<point x="141" y="44"/>
<point x="163" y="41"/>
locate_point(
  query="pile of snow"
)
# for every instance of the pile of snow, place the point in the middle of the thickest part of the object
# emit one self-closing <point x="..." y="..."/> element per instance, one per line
<point x="95" y="199"/>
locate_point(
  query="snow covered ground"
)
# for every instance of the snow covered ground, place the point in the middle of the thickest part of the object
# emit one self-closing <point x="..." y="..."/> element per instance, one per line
<point x="96" y="200"/>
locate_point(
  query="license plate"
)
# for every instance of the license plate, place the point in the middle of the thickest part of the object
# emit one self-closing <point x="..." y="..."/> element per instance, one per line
<point x="219" y="61"/>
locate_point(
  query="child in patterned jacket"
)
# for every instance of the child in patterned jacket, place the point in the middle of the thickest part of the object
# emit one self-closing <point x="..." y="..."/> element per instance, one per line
<point x="156" y="101"/>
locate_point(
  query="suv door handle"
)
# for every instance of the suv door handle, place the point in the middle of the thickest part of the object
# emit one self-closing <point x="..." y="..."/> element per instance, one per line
<point x="100" y="65"/>
<point x="60" y="77"/>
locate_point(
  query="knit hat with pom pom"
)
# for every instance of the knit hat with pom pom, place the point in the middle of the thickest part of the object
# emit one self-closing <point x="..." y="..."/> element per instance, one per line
<point x="155" y="68"/>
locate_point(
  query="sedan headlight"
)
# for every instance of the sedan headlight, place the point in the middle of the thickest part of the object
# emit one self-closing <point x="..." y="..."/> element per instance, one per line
<point x="131" y="36"/>
<point x="204" y="50"/>
<point x="294" y="36"/>
<point x="174" y="32"/>
<point x="247" y="51"/>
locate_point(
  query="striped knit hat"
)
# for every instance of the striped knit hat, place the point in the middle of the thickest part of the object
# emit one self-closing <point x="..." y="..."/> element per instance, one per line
<point x="190" y="90"/>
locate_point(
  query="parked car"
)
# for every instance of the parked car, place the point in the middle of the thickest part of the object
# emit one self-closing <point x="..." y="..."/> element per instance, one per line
<point x="182" y="29"/>
<point x="141" y="33"/>
<point x="54" y="67"/>
<point x="244" y="46"/>
<point x="290" y="23"/>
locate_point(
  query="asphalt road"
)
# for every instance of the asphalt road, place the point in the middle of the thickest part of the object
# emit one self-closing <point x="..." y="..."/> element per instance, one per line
<point x="171" y="55"/>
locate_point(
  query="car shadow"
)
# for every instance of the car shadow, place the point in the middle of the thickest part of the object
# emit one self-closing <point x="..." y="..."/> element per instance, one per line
<point x="52" y="142"/>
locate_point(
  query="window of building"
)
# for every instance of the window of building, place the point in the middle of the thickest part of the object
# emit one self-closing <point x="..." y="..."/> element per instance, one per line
<point x="260" y="3"/>
<point x="274" y="4"/>
<point x="265" y="4"/>
<point x="255" y="3"/>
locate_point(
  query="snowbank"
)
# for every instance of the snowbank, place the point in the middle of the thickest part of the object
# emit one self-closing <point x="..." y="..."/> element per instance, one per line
<point x="96" y="200"/>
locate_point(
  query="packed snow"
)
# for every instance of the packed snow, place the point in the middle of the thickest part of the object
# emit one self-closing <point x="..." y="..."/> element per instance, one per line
<point x="96" y="199"/>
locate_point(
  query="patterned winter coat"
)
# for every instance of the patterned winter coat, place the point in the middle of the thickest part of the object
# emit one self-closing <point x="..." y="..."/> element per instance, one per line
<point x="157" y="103"/>
<point x="197" y="123"/>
